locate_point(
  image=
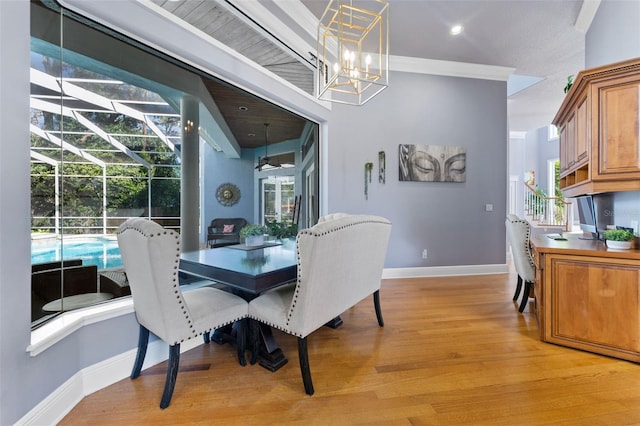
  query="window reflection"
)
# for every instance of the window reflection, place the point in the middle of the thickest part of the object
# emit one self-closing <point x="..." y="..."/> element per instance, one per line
<point x="106" y="137"/>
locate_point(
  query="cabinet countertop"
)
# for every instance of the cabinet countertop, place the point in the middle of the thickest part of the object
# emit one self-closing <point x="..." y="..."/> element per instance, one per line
<point x="576" y="245"/>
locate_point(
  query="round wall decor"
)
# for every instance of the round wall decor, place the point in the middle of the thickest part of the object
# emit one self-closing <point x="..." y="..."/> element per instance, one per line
<point x="228" y="194"/>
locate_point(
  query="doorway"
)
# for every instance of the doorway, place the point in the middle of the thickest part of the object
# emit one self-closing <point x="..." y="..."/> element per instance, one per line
<point x="278" y="199"/>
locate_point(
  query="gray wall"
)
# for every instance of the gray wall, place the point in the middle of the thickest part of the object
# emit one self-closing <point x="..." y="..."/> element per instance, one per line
<point x="614" y="34"/>
<point x="448" y="219"/>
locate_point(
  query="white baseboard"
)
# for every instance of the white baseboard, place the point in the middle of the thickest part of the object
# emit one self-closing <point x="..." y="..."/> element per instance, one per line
<point x="444" y="271"/>
<point x="95" y="377"/>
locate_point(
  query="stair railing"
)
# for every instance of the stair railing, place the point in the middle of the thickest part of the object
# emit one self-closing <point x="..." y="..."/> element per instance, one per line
<point x="546" y="211"/>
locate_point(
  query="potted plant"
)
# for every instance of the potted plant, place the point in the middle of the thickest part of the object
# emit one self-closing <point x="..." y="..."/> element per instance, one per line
<point x="253" y="234"/>
<point x="619" y="238"/>
<point x="280" y="230"/>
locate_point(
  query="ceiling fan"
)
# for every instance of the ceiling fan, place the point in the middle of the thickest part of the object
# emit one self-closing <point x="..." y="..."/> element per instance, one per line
<point x="266" y="162"/>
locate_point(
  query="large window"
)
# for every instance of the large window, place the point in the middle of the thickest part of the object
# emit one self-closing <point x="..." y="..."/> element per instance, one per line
<point x="103" y="148"/>
<point x="110" y="119"/>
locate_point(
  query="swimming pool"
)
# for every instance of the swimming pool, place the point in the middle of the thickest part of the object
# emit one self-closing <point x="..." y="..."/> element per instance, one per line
<point x="93" y="250"/>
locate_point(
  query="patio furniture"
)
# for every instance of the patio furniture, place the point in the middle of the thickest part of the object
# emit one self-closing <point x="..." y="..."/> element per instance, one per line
<point x="224" y="231"/>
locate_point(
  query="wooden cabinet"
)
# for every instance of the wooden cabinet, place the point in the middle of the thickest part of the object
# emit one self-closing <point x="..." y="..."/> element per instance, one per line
<point x="599" y="131"/>
<point x="588" y="296"/>
<point x="617" y="109"/>
<point x="593" y="304"/>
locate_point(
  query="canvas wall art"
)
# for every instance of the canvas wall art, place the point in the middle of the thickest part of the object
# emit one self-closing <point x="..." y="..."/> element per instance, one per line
<point x="432" y="163"/>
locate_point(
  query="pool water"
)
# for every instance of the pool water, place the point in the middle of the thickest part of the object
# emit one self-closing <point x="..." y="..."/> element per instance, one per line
<point x="99" y="251"/>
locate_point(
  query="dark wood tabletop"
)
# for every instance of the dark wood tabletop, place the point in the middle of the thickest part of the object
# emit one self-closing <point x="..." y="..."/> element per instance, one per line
<point x="252" y="271"/>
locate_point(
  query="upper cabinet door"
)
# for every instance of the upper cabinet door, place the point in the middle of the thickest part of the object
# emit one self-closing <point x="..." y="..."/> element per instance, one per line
<point x="582" y="132"/>
<point x="617" y="110"/>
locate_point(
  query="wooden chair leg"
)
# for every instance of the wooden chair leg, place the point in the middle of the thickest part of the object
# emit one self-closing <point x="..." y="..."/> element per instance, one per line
<point x="241" y="340"/>
<point x="376" y="303"/>
<point x="172" y="374"/>
<point x="143" y="340"/>
<point x="304" y="365"/>
<point x="518" y="288"/>
<point x="525" y="296"/>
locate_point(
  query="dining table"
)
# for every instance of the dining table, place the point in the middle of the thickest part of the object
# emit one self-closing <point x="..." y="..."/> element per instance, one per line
<point x="248" y="271"/>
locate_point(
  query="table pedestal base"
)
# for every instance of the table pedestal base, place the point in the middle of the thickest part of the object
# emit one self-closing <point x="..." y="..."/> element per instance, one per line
<point x="270" y="356"/>
<point x="334" y="323"/>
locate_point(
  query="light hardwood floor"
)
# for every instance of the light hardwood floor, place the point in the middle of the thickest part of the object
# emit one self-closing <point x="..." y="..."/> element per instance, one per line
<point x="453" y="351"/>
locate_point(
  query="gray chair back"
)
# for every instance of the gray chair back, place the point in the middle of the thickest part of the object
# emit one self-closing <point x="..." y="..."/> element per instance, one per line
<point x="518" y="232"/>
<point x="340" y="262"/>
<point x="151" y="256"/>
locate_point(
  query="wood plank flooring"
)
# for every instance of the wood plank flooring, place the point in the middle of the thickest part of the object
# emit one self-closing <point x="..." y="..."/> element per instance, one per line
<point x="453" y="351"/>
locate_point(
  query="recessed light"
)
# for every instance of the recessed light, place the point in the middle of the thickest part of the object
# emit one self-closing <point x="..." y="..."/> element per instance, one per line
<point x="251" y="135"/>
<point x="456" y="29"/>
<point x="243" y="108"/>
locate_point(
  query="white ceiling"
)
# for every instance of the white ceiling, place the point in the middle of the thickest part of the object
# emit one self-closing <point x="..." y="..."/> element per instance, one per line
<point x="537" y="38"/>
<point x="541" y="39"/>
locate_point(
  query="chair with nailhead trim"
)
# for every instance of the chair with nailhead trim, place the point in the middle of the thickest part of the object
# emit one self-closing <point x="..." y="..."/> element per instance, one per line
<point x="151" y="256"/>
<point x="518" y="232"/>
<point x="340" y="262"/>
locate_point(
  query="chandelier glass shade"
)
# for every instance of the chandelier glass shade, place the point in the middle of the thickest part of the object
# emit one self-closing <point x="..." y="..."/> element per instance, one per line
<point x="353" y="51"/>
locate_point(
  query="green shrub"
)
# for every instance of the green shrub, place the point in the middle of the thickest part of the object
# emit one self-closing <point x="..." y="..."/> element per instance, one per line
<point x="282" y="229"/>
<point x="618" y="235"/>
<point x="253" y="230"/>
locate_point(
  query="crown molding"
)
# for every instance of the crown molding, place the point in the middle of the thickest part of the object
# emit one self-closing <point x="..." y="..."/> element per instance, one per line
<point x="449" y="68"/>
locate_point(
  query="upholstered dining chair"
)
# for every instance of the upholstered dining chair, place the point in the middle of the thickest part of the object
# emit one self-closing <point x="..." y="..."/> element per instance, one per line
<point x="518" y="232"/>
<point x="151" y="255"/>
<point x="340" y="262"/>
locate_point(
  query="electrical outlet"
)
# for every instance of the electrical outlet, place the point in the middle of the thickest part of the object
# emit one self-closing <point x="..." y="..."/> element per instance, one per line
<point x="424" y="253"/>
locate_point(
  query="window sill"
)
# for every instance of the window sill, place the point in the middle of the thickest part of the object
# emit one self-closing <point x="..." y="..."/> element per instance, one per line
<point x="57" y="329"/>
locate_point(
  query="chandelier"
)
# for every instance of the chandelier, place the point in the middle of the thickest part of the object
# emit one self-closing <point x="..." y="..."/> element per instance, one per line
<point x="353" y="52"/>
